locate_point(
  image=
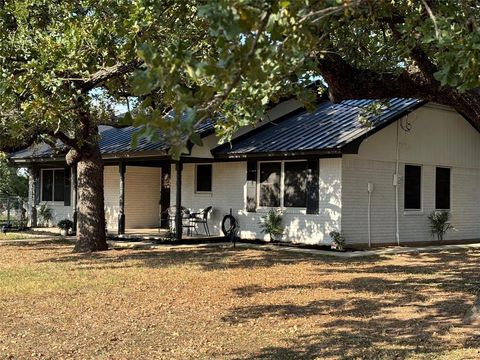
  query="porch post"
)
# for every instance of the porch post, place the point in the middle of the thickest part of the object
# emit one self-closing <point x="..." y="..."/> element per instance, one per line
<point x="75" y="200"/>
<point x="121" y="214"/>
<point x="178" y="213"/>
<point x="165" y="195"/>
<point x="33" y="185"/>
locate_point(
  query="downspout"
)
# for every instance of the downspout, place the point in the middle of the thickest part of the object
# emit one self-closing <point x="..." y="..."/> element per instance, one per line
<point x="395" y="183"/>
<point x="369" y="217"/>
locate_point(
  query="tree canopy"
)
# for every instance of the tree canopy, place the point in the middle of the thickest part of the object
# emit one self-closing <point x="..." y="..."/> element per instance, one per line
<point x="266" y="50"/>
<point x="199" y="59"/>
<point x="12" y="182"/>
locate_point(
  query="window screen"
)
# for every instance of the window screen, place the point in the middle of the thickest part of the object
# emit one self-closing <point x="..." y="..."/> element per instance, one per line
<point x="47" y="185"/>
<point x="270" y="184"/>
<point x="53" y="185"/>
<point x="442" y="188"/>
<point x="204" y="177"/>
<point x="295" y="184"/>
<point x="59" y="185"/>
<point x="413" y="186"/>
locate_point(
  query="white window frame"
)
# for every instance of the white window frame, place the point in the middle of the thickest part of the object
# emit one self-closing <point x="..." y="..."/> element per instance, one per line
<point x="422" y="183"/>
<point x="282" y="184"/>
<point x="435" y="188"/>
<point x="53" y="186"/>
<point x="196" y="191"/>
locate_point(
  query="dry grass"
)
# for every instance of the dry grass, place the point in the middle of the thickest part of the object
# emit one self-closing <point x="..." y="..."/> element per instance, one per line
<point x="28" y="234"/>
<point x="233" y="304"/>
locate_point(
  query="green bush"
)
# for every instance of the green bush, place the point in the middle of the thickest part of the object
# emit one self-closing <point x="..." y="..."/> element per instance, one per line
<point x="65" y="224"/>
<point x="338" y="240"/>
<point x="45" y="214"/>
<point x="271" y="224"/>
<point x="440" y="223"/>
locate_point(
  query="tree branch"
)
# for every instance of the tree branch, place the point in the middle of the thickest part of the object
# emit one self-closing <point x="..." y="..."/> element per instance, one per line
<point x="64" y="138"/>
<point x="108" y="73"/>
<point x="347" y="82"/>
<point x="219" y="98"/>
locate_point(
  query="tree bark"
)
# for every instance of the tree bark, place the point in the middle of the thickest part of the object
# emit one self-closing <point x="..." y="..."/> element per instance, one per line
<point x="91" y="234"/>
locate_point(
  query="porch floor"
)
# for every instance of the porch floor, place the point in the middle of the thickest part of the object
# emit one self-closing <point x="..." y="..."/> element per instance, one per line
<point x="157" y="234"/>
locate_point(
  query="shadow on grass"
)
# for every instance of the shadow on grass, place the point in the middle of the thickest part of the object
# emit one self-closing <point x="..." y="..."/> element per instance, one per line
<point x="39" y="244"/>
<point x="207" y="259"/>
<point x="433" y="295"/>
<point x="391" y="309"/>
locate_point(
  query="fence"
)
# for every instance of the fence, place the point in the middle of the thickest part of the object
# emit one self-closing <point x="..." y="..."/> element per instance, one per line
<point x="13" y="212"/>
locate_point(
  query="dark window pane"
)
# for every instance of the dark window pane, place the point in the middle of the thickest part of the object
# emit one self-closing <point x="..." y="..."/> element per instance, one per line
<point x="47" y="185"/>
<point x="270" y="184"/>
<point x="413" y="186"/>
<point x="59" y="185"/>
<point x="442" y="189"/>
<point x="295" y="189"/>
<point x="204" y="177"/>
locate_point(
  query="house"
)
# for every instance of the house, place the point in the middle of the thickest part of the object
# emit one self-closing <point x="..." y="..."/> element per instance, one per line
<point x="376" y="183"/>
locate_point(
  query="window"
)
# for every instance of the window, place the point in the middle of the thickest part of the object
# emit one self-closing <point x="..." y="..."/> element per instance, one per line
<point x="53" y="185"/>
<point x="413" y="187"/>
<point x="270" y="184"/>
<point x="204" y="178"/>
<point x="295" y="184"/>
<point x="283" y="184"/>
<point x="442" y="188"/>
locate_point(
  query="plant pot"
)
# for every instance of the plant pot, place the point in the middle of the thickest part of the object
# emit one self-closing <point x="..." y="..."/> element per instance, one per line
<point x="63" y="232"/>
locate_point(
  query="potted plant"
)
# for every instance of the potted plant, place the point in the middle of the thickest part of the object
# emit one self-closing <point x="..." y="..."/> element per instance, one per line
<point x="271" y="224"/>
<point x="338" y="241"/>
<point x="45" y="214"/>
<point x="65" y="226"/>
<point x="440" y="223"/>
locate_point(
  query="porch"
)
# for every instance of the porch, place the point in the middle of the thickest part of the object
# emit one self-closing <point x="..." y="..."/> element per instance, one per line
<point x="139" y="202"/>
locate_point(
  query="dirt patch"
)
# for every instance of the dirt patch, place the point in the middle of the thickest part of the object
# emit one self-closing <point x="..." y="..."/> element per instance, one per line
<point x="234" y="304"/>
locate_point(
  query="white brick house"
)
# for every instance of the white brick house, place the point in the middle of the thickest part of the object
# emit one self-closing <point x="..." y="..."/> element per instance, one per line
<point x="315" y="167"/>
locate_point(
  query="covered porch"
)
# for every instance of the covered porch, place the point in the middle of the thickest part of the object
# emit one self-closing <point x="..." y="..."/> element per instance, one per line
<point x="141" y="203"/>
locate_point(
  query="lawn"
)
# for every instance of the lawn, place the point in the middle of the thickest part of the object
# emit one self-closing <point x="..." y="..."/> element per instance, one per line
<point x="38" y="233"/>
<point x="233" y="304"/>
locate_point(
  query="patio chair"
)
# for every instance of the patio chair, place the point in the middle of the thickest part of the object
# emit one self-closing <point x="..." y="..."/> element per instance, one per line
<point x="186" y="217"/>
<point x="201" y="218"/>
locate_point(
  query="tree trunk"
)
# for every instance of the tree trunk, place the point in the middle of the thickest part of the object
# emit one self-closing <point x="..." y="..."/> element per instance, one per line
<point x="91" y="234"/>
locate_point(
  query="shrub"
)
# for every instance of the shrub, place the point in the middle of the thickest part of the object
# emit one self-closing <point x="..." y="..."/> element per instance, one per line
<point x="65" y="224"/>
<point x="45" y="214"/>
<point x="271" y="224"/>
<point x="169" y="236"/>
<point x="439" y="223"/>
<point x="338" y="240"/>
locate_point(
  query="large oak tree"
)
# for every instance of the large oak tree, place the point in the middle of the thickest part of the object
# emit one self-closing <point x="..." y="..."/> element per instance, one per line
<point x="64" y="66"/>
<point x="376" y="49"/>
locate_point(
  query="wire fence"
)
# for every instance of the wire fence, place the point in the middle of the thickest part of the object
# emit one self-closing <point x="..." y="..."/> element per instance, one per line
<point x="13" y="212"/>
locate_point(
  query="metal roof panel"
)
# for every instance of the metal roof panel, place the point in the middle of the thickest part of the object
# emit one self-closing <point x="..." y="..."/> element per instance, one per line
<point x="329" y="126"/>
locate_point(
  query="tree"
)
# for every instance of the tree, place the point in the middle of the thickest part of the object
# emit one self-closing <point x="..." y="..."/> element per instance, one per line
<point x="265" y="50"/>
<point x="64" y="65"/>
<point x="12" y="182"/>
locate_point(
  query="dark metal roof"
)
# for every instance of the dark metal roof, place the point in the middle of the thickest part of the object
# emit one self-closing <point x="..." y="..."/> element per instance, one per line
<point x="330" y="127"/>
<point x="113" y="141"/>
